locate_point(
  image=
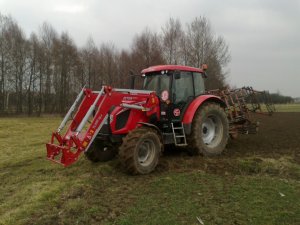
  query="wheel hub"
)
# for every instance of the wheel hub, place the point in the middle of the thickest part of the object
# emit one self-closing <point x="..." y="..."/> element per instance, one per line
<point x="208" y="130"/>
<point x="146" y="152"/>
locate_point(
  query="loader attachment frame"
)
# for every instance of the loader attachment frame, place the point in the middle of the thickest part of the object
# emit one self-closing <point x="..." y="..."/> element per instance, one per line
<point x="94" y="107"/>
<point x="69" y="146"/>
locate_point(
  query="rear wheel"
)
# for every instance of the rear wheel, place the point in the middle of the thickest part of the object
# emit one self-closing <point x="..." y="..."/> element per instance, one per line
<point x="210" y="130"/>
<point x="140" y="151"/>
<point x="100" y="152"/>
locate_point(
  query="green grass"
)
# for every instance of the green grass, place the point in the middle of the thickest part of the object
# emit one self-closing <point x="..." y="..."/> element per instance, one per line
<point x="284" y="107"/>
<point x="36" y="191"/>
<point x="181" y="198"/>
<point x="287" y="107"/>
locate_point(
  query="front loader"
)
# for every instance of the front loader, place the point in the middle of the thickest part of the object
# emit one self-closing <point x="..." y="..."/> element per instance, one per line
<point x="172" y="109"/>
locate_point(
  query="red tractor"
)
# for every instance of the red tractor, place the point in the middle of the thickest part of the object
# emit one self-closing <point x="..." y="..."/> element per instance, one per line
<point x="172" y="109"/>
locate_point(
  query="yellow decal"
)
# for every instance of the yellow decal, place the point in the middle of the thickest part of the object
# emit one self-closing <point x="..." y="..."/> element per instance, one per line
<point x="153" y="100"/>
<point x="84" y="144"/>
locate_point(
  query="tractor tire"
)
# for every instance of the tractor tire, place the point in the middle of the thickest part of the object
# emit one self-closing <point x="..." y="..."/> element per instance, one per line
<point x="210" y="131"/>
<point x="100" y="152"/>
<point x="140" y="151"/>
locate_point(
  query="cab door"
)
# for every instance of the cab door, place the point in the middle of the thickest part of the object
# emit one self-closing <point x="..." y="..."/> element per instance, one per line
<point x="185" y="87"/>
<point x="182" y="93"/>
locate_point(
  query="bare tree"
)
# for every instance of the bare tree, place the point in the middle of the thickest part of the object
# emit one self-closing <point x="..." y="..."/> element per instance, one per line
<point x="89" y="55"/>
<point x="184" y="53"/>
<point x="33" y="69"/>
<point x="64" y="67"/>
<point x="220" y="50"/>
<point x="171" y="40"/>
<point x="47" y="36"/>
<point x="124" y="69"/>
<point x="107" y="68"/>
<point x="205" y="47"/>
<point x="146" y="50"/>
<point x="4" y="61"/>
<point x="17" y="54"/>
<point x="199" y="39"/>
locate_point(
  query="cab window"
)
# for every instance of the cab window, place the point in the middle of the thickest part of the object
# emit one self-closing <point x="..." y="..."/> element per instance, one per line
<point x="198" y="84"/>
<point x="157" y="82"/>
<point x="183" y="87"/>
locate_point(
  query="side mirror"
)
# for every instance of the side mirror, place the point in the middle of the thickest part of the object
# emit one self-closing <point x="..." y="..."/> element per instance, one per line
<point x="132" y="79"/>
<point x="177" y="74"/>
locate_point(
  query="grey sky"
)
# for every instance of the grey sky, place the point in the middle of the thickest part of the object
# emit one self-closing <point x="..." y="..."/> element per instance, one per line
<point x="263" y="35"/>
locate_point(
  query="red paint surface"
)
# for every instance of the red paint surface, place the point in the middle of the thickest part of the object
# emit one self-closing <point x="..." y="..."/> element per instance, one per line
<point x="171" y="67"/>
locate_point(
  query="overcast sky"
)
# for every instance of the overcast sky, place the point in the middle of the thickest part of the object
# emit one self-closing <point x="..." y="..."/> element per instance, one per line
<point x="263" y="35"/>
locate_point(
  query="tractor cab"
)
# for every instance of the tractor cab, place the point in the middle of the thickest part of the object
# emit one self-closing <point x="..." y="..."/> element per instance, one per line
<point x="176" y="87"/>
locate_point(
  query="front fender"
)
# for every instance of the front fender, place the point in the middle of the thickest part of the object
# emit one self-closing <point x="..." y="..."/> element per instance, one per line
<point x="195" y="104"/>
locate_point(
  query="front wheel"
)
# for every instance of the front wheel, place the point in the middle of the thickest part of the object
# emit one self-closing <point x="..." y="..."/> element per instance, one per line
<point x="210" y="131"/>
<point x="140" y="151"/>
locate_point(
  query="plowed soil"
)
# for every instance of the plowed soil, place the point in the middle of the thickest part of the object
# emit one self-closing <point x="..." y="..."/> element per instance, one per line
<point x="278" y="137"/>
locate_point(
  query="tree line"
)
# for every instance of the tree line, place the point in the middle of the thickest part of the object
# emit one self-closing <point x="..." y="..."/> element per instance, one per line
<point x="44" y="72"/>
<point x="277" y="98"/>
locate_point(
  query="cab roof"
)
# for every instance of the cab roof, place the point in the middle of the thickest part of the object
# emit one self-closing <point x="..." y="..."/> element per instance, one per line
<point x="170" y="67"/>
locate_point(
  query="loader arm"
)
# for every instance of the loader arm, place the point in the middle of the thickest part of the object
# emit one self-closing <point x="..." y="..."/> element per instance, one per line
<point x="92" y="113"/>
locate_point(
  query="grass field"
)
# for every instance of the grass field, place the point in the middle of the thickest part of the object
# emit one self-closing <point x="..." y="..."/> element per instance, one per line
<point x="255" y="181"/>
<point x="283" y="107"/>
<point x="287" y="107"/>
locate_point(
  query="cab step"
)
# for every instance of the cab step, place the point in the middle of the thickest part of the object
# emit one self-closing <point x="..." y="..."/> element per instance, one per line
<point x="178" y="134"/>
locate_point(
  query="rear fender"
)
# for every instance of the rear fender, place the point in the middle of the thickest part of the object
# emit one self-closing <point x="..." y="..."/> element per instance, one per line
<point x="194" y="105"/>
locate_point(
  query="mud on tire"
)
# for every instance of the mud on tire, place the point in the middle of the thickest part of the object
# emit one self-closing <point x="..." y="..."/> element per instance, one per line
<point x="210" y="131"/>
<point x="140" y="151"/>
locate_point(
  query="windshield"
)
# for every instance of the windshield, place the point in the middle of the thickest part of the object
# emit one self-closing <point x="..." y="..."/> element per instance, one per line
<point x="157" y="82"/>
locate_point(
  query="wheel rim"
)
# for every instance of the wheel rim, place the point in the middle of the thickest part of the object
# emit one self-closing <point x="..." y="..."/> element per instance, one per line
<point x="212" y="131"/>
<point x="146" y="152"/>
